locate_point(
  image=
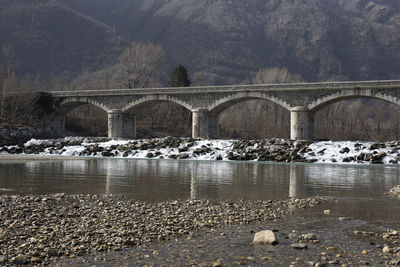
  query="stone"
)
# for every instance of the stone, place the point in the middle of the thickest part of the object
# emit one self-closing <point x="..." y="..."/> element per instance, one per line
<point x="184" y="156"/>
<point x="327" y="212"/>
<point x="266" y="237"/>
<point x="387" y="250"/>
<point x="310" y="236"/>
<point x="299" y="246"/>
<point x="394" y="262"/>
<point x="320" y="264"/>
<point x="20" y="259"/>
<point x="346" y="160"/>
<point x="106" y="154"/>
<point x="36" y="260"/>
<point x="381" y="155"/>
<point x="344" y="150"/>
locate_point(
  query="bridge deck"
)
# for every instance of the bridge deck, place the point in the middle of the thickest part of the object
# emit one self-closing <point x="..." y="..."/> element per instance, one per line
<point x="389" y="84"/>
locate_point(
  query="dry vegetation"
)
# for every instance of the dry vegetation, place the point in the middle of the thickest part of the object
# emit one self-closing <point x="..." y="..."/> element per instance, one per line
<point x="17" y="96"/>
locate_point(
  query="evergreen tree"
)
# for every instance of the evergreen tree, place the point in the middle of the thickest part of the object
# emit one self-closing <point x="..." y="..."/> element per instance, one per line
<point x="180" y="77"/>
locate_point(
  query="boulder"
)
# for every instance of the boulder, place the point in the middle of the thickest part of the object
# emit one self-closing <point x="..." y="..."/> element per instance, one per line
<point x="266" y="237"/>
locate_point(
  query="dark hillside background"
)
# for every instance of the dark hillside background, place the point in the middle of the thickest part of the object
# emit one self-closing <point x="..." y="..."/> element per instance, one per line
<point x="224" y="41"/>
<point x="228" y="41"/>
<point x="51" y="39"/>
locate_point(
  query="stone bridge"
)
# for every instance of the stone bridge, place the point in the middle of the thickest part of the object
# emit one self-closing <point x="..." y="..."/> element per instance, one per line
<point x="206" y="103"/>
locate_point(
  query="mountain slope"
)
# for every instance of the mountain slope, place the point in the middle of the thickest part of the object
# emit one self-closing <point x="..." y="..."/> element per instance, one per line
<point x="227" y="41"/>
<point x="49" y="38"/>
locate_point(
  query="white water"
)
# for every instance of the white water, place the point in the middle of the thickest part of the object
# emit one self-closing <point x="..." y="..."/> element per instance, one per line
<point x="331" y="150"/>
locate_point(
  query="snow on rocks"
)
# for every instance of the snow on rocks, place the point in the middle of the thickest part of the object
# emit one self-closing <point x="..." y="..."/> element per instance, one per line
<point x="274" y="150"/>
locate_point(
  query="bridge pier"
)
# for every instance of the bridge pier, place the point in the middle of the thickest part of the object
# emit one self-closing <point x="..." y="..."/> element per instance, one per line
<point x="121" y="125"/>
<point x="200" y="123"/>
<point x="301" y="124"/>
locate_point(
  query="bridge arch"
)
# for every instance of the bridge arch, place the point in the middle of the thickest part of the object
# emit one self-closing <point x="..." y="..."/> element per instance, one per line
<point x="322" y="102"/>
<point x="70" y="103"/>
<point x="155" y="98"/>
<point x="226" y="102"/>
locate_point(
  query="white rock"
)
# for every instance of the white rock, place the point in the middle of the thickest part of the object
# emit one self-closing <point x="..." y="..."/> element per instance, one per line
<point x="310" y="236"/>
<point x="327" y="212"/>
<point x="387" y="250"/>
<point x="266" y="237"/>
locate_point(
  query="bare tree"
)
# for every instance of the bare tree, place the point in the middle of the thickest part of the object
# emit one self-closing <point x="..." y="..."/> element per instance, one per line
<point x="7" y="78"/>
<point x="275" y="75"/>
<point x="243" y="119"/>
<point x="141" y="64"/>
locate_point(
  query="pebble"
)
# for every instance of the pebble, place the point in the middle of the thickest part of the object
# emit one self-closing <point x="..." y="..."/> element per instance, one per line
<point x="327" y="212"/>
<point x="299" y="246"/>
<point x="310" y="236"/>
<point x="40" y="232"/>
<point x="394" y="192"/>
<point x="387" y="250"/>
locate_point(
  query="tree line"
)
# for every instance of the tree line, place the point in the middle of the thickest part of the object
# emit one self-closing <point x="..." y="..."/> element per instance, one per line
<point x="141" y="65"/>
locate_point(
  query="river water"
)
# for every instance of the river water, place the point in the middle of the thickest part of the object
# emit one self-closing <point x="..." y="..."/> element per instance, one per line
<point x="360" y="188"/>
<point x="158" y="180"/>
<point x="357" y="192"/>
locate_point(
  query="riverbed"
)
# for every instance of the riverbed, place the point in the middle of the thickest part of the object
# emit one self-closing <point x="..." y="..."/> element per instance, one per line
<point x="354" y="228"/>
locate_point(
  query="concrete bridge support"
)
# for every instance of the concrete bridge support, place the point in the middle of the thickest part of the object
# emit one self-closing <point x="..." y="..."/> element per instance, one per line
<point x="121" y="125"/>
<point x="200" y="123"/>
<point x="301" y="124"/>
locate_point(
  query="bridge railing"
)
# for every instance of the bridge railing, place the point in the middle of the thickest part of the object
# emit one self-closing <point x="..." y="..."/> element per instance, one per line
<point x="387" y="84"/>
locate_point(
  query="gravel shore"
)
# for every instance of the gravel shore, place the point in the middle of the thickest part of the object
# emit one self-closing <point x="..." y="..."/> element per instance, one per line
<point x="318" y="236"/>
<point x="44" y="229"/>
<point x="394" y="192"/>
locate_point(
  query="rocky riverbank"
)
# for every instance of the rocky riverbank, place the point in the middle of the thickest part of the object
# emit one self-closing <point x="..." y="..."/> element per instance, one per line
<point x="394" y="192"/>
<point x="43" y="229"/>
<point x="310" y="237"/>
<point x="277" y="150"/>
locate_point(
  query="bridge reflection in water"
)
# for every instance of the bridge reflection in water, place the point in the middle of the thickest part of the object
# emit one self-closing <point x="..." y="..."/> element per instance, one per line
<point x="244" y="180"/>
<point x="159" y="180"/>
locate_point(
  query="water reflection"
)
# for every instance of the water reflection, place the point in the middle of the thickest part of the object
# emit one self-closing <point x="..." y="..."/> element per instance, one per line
<point x="155" y="180"/>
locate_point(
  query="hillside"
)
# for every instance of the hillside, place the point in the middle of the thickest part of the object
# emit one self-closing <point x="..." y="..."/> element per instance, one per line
<point x="228" y="41"/>
<point x="51" y="39"/>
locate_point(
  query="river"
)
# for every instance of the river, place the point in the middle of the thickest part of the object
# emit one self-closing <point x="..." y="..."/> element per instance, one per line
<point x="357" y="192"/>
<point x="158" y="180"/>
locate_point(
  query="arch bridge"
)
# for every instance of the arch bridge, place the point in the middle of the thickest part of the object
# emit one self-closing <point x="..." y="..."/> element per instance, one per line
<point x="205" y="103"/>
